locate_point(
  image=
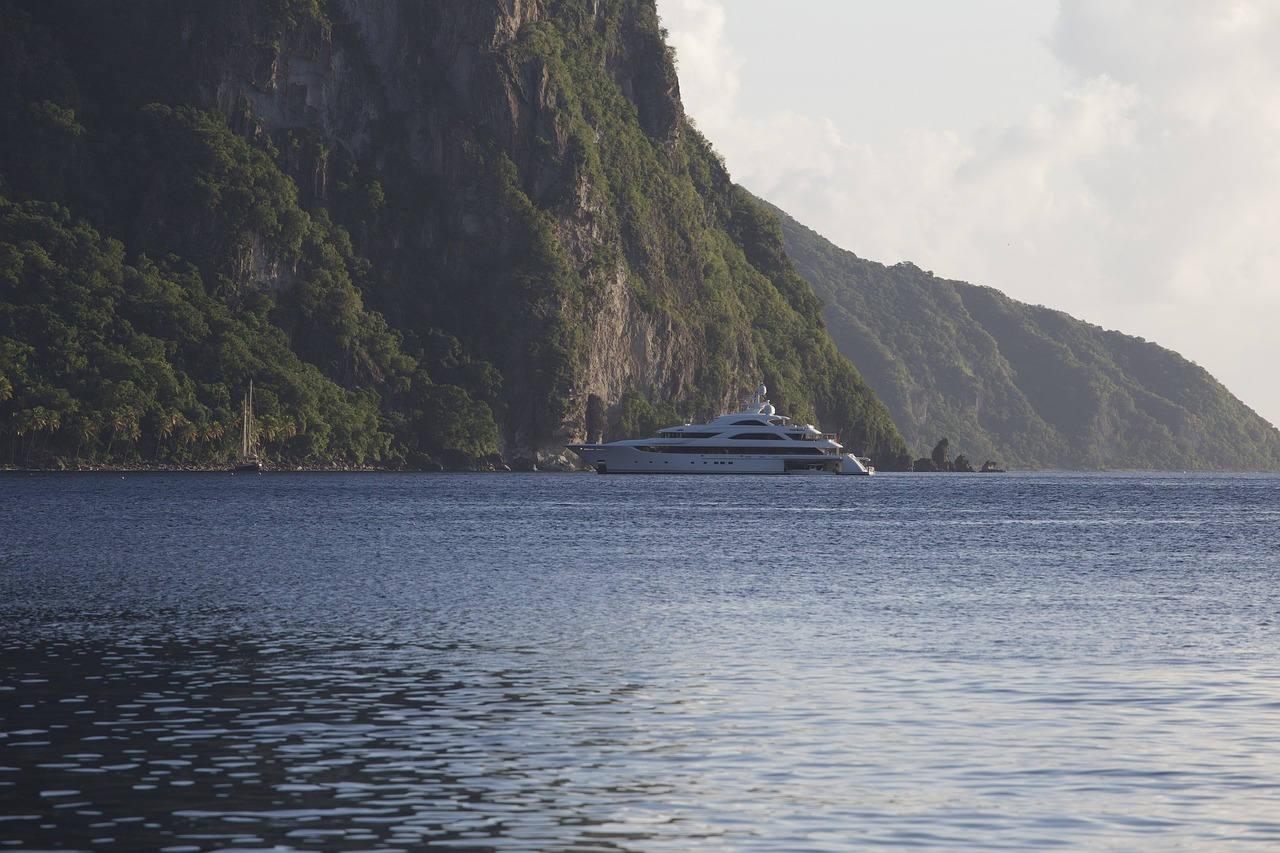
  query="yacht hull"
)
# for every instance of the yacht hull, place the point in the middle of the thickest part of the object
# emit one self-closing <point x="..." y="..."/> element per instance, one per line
<point x="755" y="440"/>
<point x="623" y="459"/>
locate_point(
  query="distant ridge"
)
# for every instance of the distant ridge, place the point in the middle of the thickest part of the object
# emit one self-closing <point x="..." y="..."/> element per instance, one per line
<point x="1025" y="385"/>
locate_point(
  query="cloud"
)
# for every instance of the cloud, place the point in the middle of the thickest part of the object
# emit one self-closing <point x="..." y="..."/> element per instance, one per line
<point x="1200" y="185"/>
<point x="1145" y="195"/>
<point x="707" y="64"/>
<point x="1185" y="54"/>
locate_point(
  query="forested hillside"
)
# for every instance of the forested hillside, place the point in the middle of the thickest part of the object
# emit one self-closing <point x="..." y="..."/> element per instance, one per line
<point x="1023" y="384"/>
<point x="454" y="233"/>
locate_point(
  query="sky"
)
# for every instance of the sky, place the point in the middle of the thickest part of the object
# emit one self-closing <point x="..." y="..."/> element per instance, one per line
<point x="1115" y="159"/>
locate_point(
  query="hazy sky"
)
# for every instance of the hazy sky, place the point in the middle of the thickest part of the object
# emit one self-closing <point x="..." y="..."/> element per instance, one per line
<point x="1115" y="159"/>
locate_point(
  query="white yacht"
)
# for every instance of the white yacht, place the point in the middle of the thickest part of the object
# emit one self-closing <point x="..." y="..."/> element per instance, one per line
<point x="755" y="440"/>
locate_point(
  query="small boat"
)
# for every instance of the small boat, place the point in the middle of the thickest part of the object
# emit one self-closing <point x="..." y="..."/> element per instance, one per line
<point x="753" y="440"/>
<point x="248" y="461"/>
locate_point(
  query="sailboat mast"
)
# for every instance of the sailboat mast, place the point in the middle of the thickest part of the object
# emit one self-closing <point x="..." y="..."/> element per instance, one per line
<point x="246" y="427"/>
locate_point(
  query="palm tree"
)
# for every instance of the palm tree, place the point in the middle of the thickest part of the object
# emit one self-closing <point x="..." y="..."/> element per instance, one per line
<point x="23" y="423"/>
<point x="211" y="434"/>
<point x="89" y="426"/>
<point x="124" y="425"/>
<point x="188" y="435"/>
<point x="168" y="425"/>
<point x="52" y="423"/>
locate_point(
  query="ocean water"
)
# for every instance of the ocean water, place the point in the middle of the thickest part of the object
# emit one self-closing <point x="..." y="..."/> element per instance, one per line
<point x="583" y="663"/>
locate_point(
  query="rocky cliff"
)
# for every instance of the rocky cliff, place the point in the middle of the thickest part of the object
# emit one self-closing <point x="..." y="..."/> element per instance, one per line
<point x="510" y="186"/>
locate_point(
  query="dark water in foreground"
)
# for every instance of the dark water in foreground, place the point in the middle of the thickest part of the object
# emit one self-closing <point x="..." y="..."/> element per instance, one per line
<point x="584" y="663"/>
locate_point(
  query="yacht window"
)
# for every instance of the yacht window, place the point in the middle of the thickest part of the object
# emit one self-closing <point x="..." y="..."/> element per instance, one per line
<point x="679" y="434"/>
<point x="756" y="436"/>
<point x="756" y="422"/>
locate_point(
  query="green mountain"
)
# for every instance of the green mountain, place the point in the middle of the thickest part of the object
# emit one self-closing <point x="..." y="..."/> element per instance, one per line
<point x="1020" y="384"/>
<point x="431" y="233"/>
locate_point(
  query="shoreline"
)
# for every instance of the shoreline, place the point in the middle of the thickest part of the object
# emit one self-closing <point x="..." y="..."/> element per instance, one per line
<point x="229" y="468"/>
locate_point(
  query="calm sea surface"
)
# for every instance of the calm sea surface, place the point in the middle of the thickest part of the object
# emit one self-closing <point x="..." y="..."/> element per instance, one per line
<point x="585" y="663"/>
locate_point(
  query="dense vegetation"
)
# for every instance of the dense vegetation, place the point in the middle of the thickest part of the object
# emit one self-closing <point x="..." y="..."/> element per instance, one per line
<point x="139" y="346"/>
<point x="1025" y="385"/>
<point x="412" y="265"/>
<point x="394" y="301"/>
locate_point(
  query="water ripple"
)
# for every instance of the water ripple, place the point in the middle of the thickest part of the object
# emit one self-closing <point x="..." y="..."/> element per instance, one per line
<point x="491" y="664"/>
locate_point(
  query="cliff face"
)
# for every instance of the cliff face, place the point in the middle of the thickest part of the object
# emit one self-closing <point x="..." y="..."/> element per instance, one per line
<point x="452" y="89"/>
<point x="515" y="175"/>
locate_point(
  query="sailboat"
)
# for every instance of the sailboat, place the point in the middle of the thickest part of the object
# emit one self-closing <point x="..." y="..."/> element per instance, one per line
<point x="249" y="460"/>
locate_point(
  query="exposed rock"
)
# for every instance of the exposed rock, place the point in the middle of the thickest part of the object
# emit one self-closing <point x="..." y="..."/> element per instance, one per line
<point x="517" y="174"/>
<point x="383" y="70"/>
<point x="941" y="455"/>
